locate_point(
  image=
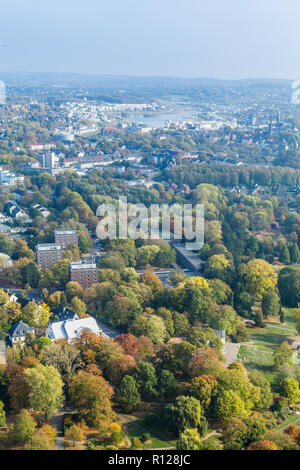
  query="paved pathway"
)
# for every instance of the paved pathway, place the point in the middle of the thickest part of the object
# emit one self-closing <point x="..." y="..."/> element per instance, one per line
<point x="57" y="423"/>
<point x="269" y="325"/>
<point x="231" y="352"/>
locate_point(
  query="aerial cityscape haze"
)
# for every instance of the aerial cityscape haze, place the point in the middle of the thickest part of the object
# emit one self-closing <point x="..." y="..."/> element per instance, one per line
<point x="149" y="230"/>
<point x="191" y="38"/>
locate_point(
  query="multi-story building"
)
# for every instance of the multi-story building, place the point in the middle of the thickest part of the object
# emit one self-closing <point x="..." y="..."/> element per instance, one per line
<point x="9" y="179"/>
<point x="86" y="274"/>
<point x="66" y="236"/>
<point x="48" y="159"/>
<point x="47" y="254"/>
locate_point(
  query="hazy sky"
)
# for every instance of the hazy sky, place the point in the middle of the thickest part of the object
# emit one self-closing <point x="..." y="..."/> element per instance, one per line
<point x="187" y="38"/>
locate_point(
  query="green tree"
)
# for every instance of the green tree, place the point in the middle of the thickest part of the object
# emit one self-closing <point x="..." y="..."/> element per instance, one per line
<point x="151" y="326"/>
<point x="204" y="388"/>
<point x="185" y="413"/>
<point x="228" y="405"/>
<point x="282" y="355"/>
<point x="167" y="384"/>
<point x="24" y="427"/>
<point x="127" y="395"/>
<point x="146" y="380"/>
<point x="2" y="415"/>
<point x="270" y="304"/>
<point x="290" y="390"/>
<point x="189" y="439"/>
<point x="46" y="395"/>
<point x="284" y="256"/>
<point x="30" y="274"/>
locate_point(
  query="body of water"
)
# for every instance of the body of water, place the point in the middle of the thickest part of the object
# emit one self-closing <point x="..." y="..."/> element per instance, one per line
<point x="160" y="119"/>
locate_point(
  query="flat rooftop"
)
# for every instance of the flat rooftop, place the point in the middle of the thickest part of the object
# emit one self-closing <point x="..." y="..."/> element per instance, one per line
<point x="77" y="265"/>
<point x="193" y="258"/>
<point x="65" y="231"/>
<point x="48" y="247"/>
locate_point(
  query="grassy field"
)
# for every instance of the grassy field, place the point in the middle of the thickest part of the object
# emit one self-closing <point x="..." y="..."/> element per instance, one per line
<point x="133" y="430"/>
<point x="258" y="359"/>
<point x="257" y="353"/>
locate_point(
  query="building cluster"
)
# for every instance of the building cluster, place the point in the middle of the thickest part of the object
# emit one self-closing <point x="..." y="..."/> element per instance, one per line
<point x="85" y="272"/>
<point x="7" y="178"/>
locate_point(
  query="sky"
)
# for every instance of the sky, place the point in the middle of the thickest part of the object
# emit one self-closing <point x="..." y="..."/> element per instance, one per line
<point x="227" y="39"/>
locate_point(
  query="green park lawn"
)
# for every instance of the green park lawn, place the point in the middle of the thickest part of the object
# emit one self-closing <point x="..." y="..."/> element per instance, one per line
<point x="257" y="354"/>
<point x="138" y="428"/>
<point x="259" y="359"/>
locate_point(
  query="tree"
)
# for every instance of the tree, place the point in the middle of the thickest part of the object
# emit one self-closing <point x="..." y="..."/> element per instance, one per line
<point x="219" y="267"/>
<point x="256" y="427"/>
<point x="19" y="391"/>
<point x="290" y="390"/>
<point x="284" y="256"/>
<point x="167" y="384"/>
<point x="270" y="304"/>
<point x="152" y="280"/>
<point x="146" y="380"/>
<point x="263" y="385"/>
<point x="39" y="441"/>
<point x="260" y="277"/>
<point x="234" y="434"/>
<point x="185" y="413"/>
<point x="167" y="317"/>
<point x="294" y="252"/>
<point x="293" y="431"/>
<point x="189" y="439"/>
<point x="122" y="310"/>
<point x="73" y="289"/>
<point x="83" y="243"/>
<point x="30" y="274"/>
<point x="125" y="365"/>
<point x="24" y="427"/>
<point x="66" y="358"/>
<point x="2" y="415"/>
<point x="61" y="271"/>
<point x="205" y="361"/>
<point x="46" y="395"/>
<point x="92" y="394"/>
<point x="282" y="355"/>
<point x="289" y="286"/>
<point x="75" y="433"/>
<point x="204" y="388"/>
<point x="128" y="342"/>
<point x="78" y="306"/>
<point x="262" y="445"/>
<point x="151" y="326"/>
<point x="228" y="405"/>
<point x="127" y="395"/>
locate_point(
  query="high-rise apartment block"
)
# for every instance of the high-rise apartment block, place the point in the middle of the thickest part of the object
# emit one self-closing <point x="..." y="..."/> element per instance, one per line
<point x="47" y="254"/>
<point x="66" y="237"/>
<point x="86" y="274"/>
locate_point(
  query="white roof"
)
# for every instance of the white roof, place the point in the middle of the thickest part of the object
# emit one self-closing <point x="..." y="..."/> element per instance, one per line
<point x="70" y="329"/>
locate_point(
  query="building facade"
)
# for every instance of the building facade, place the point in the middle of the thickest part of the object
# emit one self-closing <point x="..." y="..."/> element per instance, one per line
<point x="86" y="274"/>
<point x="47" y="254"/>
<point x="66" y="237"/>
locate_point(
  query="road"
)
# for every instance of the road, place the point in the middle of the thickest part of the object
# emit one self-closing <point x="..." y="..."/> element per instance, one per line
<point x="57" y="423"/>
<point x="231" y="352"/>
<point x="108" y="330"/>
